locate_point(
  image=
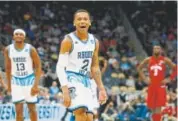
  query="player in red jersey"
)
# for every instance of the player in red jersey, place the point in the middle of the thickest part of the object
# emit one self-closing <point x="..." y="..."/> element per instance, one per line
<point x="157" y="82"/>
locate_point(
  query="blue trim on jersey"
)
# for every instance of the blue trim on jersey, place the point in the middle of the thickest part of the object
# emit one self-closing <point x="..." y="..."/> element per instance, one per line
<point x="77" y="107"/>
<point x="30" y="49"/>
<point x="24" y="81"/>
<point x="71" y="43"/>
<point x="19" y="50"/>
<point x="25" y="77"/>
<point x="8" y="48"/>
<point x="84" y="42"/>
<point x="95" y="40"/>
<point x="78" y="74"/>
<point x="78" y="78"/>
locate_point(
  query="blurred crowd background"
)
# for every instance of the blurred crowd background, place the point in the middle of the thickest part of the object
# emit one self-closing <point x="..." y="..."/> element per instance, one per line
<point x="46" y="23"/>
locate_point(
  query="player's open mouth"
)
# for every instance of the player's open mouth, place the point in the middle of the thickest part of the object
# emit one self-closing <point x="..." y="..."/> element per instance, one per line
<point x="82" y="27"/>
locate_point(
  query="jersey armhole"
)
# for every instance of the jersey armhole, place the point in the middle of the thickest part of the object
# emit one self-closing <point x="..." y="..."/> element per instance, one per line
<point x="95" y="39"/>
<point x="8" y="51"/>
<point x="30" y="49"/>
<point x="72" y="47"/>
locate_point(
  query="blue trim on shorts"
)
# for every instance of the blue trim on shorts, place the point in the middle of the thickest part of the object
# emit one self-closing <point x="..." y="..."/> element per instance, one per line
<point x="77" y="107"/>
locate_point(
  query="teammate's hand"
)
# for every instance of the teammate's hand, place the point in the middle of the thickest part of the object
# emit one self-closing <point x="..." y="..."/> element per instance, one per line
<point x="102" y="96"/>
<point x="66" y="96"/>
<point x="166" y="80"/>
<point x="34" y="90"/>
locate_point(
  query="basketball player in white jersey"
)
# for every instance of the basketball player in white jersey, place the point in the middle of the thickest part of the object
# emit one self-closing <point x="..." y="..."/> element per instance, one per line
<point x="78" y="57"/>
<point x="23" y="70"/>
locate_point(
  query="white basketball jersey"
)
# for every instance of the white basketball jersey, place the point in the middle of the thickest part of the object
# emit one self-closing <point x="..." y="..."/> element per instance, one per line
<point x="80" y="57"/>
<point x="21" y="62"/>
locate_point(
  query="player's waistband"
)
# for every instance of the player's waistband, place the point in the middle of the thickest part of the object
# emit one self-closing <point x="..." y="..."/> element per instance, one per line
<point x="23" y="81"/>
<point x="28" y="76"/>
<point x="77" y="73"/>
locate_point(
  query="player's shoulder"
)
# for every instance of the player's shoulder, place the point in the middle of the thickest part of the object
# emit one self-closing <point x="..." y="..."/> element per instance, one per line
<point x="93" y="36"/>
<point x="67" y="38"/>
<point x="67" y="42"/>
<point x="146" y="60"/>
<point x="166" y="59"/>
<point x="7" y="48"/>
<point x="11" y="45"/>
<point x="29" y="46"/>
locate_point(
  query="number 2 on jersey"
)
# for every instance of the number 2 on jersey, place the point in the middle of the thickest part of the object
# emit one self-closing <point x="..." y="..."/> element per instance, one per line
<point x="85" y="62"/>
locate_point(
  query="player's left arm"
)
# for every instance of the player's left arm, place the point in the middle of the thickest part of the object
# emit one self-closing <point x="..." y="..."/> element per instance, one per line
<point x="172" y="66"/>
<point x="37" y="66"/>
<point x="96" y="74"/>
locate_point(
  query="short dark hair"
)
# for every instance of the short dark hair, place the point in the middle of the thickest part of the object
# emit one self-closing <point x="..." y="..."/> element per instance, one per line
<point x="81" y="10"/>
<point x="157" y="44"/>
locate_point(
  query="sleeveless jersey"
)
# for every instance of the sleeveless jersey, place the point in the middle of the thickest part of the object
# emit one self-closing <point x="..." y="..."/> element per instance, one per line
<point x="156" y="69"/>
<point x="80" y="57"/>
<point x="21" y="62"/>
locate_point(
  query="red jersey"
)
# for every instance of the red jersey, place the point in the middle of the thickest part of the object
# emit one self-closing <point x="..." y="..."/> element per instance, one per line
<point x="157" y="68"/>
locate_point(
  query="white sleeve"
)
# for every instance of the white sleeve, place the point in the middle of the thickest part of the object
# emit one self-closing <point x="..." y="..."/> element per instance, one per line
<point x="60" y="69"/>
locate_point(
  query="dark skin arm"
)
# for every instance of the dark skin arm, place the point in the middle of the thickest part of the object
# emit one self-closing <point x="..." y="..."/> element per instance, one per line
<point x="140" y="67"/>
<point x="105" y="66"/>
<point x="8" y="69"/>
<point x="172" y="66"/>
<point x="96" y="74"/>
<point x="37" y="68"/>
<point x="169" y="63"/>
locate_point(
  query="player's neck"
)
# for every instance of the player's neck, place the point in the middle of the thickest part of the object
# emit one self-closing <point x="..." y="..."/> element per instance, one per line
<point x="82" y="36"/>
<point x="156" y="56"/>
<point x="19" y="46"/>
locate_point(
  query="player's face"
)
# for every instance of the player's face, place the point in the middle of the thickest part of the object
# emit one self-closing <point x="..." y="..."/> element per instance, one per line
<point x="82" y="22"/>
<point x="156" y="50"/>
<point x="19" y="37"/>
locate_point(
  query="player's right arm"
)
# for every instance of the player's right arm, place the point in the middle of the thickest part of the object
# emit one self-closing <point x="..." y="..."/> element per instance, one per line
<point x="62" y="63"/>
<point x="2" y="82"/>
<point x="140" y="67"/>
<point x="8" y="69"/>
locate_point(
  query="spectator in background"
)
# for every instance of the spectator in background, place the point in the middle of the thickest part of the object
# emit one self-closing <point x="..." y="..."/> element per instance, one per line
<point x="130" y="83"/>
<point x="125" y="65"/>
<point x="110" y="112"/>
<point x="44" y="96"/>
<point x="53" y="90"/>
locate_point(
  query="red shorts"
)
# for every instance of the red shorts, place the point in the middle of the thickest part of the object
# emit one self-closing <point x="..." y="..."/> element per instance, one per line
<point x="156" y="96"/>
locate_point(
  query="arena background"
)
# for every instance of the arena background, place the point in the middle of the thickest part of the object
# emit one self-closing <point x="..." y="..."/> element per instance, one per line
<point x="126" y="30"/>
